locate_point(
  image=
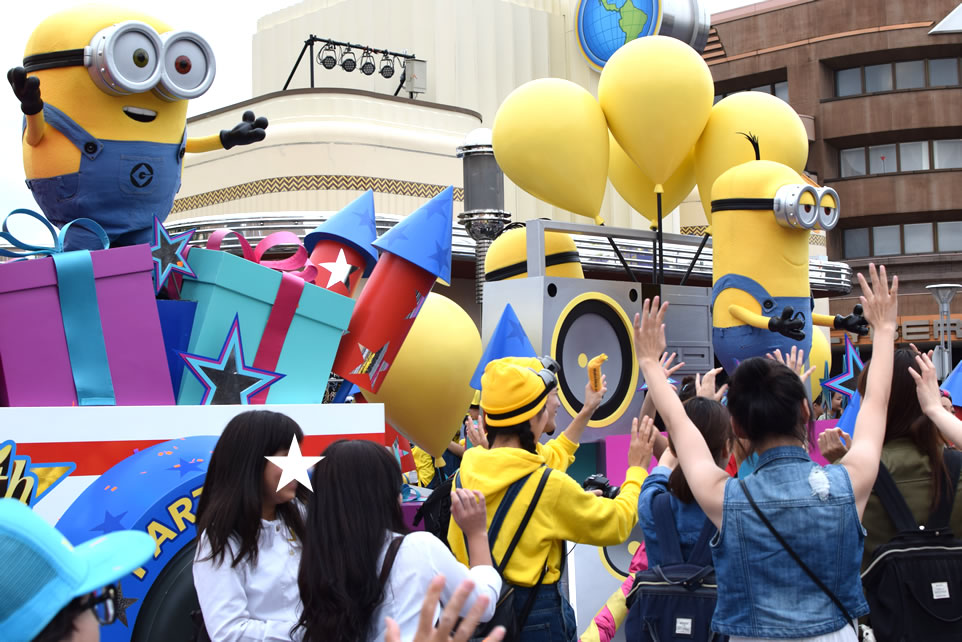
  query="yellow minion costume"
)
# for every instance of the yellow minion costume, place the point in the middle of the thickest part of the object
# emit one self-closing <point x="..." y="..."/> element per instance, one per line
<point x="512" y="394"/>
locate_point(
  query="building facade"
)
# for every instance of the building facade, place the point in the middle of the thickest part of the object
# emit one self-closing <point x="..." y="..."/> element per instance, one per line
<point x="882" y="89"/>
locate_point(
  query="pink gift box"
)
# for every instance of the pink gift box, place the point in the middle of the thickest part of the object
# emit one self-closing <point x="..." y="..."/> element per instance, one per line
<point x="34" y="361"/>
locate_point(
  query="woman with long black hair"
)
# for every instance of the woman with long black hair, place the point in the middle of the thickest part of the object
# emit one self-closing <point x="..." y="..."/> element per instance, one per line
<point x="348" y="580"/>
<point x="250" y="533"/>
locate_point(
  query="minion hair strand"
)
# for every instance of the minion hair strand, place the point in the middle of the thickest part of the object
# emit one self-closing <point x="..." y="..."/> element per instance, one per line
<point x="753" y="139"/>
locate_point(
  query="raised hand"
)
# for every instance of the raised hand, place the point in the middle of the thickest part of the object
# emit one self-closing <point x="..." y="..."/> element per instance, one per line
<point x="249" y="130"/>
<point x="794" y="360"/>
<point x="650" y="330"/>
<point x="831" y="446"/>
<point x="705" y="386"/>
<point x="476" y="433"/>
<point x="593" y="398"/>
<point x="669" y="369"/>
<point x="642" y="442"/>
<point x="468" y="511"/>
<point x="879" y="300"/>
<point x="26" y="89"/>
<point x="427" y="632"/>
<point x="787" y="326"/>
<point x="927" y="385"/>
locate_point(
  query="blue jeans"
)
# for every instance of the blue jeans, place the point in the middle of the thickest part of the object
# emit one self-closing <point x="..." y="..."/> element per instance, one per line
<point x="551" y="619"/>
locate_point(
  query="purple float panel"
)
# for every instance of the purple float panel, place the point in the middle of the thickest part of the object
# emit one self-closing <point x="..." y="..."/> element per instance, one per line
<point x="34" y="362"/>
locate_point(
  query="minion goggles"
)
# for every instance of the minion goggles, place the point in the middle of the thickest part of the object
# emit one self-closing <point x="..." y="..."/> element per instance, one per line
<point x="549" y="376"/>
<point x="132" y="58"/>
<point x="788" y="207"/>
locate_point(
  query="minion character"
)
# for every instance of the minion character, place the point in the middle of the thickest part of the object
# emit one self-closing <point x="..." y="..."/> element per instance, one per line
<point x="104" y="92"/>
<point x="507" y="257"/>
<point x="762" y="216"/>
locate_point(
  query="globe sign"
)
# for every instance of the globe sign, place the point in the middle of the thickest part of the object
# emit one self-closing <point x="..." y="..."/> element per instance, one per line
<point x="606" y="25"/>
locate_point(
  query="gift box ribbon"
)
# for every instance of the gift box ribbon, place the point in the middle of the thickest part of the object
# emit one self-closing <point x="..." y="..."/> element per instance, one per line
<point x="78" y="306"/>
<point x="288" y="293"/>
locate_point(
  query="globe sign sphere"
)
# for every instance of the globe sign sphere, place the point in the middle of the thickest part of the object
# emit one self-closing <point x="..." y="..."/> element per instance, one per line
<point x="606" y="25"/>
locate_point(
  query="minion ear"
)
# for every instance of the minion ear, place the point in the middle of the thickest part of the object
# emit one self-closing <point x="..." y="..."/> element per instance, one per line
<point x="754" y="141"/>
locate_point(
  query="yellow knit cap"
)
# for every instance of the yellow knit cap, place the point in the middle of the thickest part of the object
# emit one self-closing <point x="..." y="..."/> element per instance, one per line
<point x="476" y="399"/>
<point x="511" y="393"/>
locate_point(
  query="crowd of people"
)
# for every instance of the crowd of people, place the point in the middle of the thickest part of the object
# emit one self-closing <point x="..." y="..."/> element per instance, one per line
<point x="341" y="565"/>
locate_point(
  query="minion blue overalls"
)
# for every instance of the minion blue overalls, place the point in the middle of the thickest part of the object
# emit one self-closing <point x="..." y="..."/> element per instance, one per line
<point x="120" y="184"/>
<point x="742" y="342"/>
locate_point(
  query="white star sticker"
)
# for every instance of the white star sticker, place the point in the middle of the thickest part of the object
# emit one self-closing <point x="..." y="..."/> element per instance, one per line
<point x="340" y="270"/>
<point x="294" y="466"/>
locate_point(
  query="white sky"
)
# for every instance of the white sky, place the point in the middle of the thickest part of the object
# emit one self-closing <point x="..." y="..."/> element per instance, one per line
<point x="227" y="27"/>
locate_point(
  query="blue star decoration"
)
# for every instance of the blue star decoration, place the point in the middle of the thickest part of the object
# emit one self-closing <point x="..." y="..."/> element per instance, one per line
<point x="228" y="379"/>
<point x="170" y="254"/>
<point x="110" y="524"/>
<point x="846" y="382"/>
<point x="185" y="467"/>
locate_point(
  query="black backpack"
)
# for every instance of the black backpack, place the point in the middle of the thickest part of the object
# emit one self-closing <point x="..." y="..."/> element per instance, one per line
<point x="914" y="583"/>
<point x="676" y="599"/>
<point x="505" y="613"/>
<point x="436" y="511"/>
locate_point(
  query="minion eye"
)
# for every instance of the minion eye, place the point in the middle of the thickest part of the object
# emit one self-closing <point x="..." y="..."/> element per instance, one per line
<point x="796" y="206"/>
<point x="188" y="68"/>
<point x="827" y="208"/>
<point x="124" y="58"/>
<point x="182" y="65"/>
<point x="141" y="57"/>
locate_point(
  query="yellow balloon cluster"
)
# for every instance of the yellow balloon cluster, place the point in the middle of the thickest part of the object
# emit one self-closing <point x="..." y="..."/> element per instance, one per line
<point x="639" y="190"/>
<point x="427" y="392"/>
<point x="722" y="146"/>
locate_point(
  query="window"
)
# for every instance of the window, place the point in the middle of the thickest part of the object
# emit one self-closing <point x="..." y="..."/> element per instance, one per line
<point x="948" y="153"/>
<point x="781" y="90"/>
<point x="848" y="82"/>
<point x="878" y="78"/>
<point x="856" y="243"/>
<point x="943" y="72"/>
<point x="913" y="157"/>
<point x="918" y="238"/>
<point x="950" y="236"/>
<point x="882" y="159"/>
<point x="885" y="240"/>
<point x="765" y="89"/>
<point x="853" y="162"/>
<point x="910" y="75"/>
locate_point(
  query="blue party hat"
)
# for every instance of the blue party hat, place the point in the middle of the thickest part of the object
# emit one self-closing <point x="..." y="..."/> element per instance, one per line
<point x="507" y="340"/>
<point x="953" y="383"/>
<point x="847" y="421"/>
<point x="424" y="237"/>
<point x="353" y="226"/>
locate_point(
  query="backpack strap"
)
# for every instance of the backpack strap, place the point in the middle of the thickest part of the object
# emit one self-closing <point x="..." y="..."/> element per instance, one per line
<point x="942" y="514"/>
<point x="701" y="553"/>
<point x="524" y="521"/>
<point x="666" y="531"/>
<point x="893" y="502"/>
<point x="388" y="562"/>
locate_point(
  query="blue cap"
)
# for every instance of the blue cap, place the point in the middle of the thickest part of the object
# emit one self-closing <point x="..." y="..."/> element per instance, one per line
<point x="353" y="226"/>
<point x="42" y="572"/>
<point x="424" y="237"/>
<point x="507" y="340"/>
<point x="953" y="383"/>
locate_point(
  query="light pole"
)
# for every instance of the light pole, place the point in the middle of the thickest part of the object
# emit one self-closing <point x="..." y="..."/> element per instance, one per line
<point x="943" y="293"/>
<point x="484" y="216"/>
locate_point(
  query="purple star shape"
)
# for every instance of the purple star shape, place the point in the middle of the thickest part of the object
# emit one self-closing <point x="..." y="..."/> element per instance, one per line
<point x="169" y="254"/>
<point x="846" y="382"/>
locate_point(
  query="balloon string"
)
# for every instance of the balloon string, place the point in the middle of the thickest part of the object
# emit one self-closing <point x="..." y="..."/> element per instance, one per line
<point x="701" y="247"/>
<point x="621" y="258"/>
<point x="661" y="245"/>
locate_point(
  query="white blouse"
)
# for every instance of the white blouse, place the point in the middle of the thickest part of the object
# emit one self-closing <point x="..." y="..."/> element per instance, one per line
<point x="247" y="603"/>
<point x="420" y="559"/>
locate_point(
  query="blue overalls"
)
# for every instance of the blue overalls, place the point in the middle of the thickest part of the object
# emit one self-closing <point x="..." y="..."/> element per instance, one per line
<point x="742" y="342"/>
<point x="120" y="184"/>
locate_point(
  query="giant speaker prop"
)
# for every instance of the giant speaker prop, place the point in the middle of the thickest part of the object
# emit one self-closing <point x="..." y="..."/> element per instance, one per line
<point x="573" y="320"/>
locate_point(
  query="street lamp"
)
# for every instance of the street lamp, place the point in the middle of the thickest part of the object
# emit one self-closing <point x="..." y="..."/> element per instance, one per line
<point x="943" y="293"/>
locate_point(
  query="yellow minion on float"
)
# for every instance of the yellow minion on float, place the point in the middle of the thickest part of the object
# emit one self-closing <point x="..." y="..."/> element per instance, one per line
<point x="762" y="215"/>
<point x="104" y="92"/>
<point x="507" y="257"/>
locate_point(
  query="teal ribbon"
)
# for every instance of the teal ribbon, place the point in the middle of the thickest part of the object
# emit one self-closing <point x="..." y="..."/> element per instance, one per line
<point x="78" y="306"/>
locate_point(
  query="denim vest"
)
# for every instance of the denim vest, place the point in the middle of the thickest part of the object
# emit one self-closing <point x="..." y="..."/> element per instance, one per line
<point x="121" y="184"/>
<point x="742" y="342"/>
<point x="762" y="591"/>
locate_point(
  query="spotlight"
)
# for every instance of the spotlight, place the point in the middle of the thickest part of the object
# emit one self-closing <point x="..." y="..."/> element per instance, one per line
<point x="367" y="63"/>
<point x="387" y="66"/>
<point x="327" y="57"/>
<point x="348" y="60"/>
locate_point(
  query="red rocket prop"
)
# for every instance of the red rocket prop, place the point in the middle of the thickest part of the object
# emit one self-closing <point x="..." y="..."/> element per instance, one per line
<point x="415" y="253"/>
<point x="340" y="248"/>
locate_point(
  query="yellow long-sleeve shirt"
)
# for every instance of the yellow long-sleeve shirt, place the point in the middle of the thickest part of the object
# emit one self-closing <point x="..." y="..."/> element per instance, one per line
<point x="565" y="511"/>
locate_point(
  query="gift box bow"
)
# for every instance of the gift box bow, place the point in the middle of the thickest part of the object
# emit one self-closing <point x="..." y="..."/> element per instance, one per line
<point x="256" y="254"/>
<point x="79" y="308"/>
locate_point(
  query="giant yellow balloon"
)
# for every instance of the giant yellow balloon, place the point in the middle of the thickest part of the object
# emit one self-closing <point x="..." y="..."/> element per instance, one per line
<point x="656" y="93"/>
<point x="427" y="391"/>
<point x="780" y="132"/>
<point x="639" y="190"/>
<point x="821" y="358"/>
<point x="550" y="137"/>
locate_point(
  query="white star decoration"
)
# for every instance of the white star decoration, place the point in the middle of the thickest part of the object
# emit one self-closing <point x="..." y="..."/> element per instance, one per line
<point x="340" y="270"/>
<point x="294" y="466"/>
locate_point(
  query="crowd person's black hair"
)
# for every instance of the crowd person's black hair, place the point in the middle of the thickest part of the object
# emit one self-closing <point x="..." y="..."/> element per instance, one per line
<point x="714" y="423"/>
<point x="233" y="498"/>
<point x="62" y="627"/>
<point x="765" y="400"/>
<point x="354" y="509"/>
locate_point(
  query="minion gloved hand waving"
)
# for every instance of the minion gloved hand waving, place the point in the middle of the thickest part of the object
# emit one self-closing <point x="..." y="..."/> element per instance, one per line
<point x="107" y="138"/>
